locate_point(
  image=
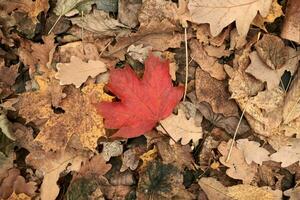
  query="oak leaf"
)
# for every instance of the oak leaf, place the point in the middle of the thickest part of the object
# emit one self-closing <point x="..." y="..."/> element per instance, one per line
<point x="77" y="72"/>
<point x="179" y="127"/>
<point x="144" y="102"/>
<point x="220" y="14"/>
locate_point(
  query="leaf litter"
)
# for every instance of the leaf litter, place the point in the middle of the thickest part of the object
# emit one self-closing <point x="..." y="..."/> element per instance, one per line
<point x="91" y="99"/>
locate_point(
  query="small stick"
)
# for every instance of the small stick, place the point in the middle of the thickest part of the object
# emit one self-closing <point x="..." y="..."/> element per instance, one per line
<point x="51" y="29"/>
<point x="186" y="63"/>
<point x="235" y="133"/>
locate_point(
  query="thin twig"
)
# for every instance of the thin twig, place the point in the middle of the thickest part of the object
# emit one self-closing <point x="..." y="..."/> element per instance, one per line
<point x="51" y="29"/>
<point x="166" y="131"/>
<point x="235" y="133"/>
<point x="186" y="63"/>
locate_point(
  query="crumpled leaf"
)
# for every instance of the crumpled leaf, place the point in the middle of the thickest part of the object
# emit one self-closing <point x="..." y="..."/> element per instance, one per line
<point x="77" y="72"/>
<point x="293" y="193"/>
<point x="221" y="14"/>
<point x="131" y="158"/>
<point x="272" y="51"/>
<point x="288" y="154"/>
<point x="206" y="62"/>
<point x="252" y="151"/>
<point x="57" y="162"/>
<point x="128" y="12"/>
<point x="179" y="127"/>
<point x="262" y="72"/>
<point x="112" y="149"/>
<point x="143" y="102"/>
<point x="100" y="22"/>
<point x="14" y="182"/>
<point x="238" y="168"/>
<point x="291" y="108"/>
<point x="139" y="52"/>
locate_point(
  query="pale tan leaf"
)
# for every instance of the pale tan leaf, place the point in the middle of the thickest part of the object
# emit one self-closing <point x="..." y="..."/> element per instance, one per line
<point x="77" y="72"/>
<point x="290" y="29"/>
<point x="288" y="154"/>
<point x="252" y="151"/>
<point x="220" y="14"/>
<point x="291" y="108"/>
<point x="100" y="22"/>
<point x="179" y="127"/>
<point x="293" y="193"/>
<point x="214" y="189"/>
<point x="238" y="168"/>
<point x="249" y="192"/>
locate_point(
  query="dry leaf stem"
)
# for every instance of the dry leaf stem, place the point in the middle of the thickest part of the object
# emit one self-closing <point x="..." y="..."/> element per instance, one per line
<point x="186" y="63"/>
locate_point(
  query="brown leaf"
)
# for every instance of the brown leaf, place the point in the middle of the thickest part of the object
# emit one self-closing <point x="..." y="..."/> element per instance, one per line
<point x="131" y="158"/>
<point x="291" y="23"/>
<point x="272" y="51"/>
<point x="128" y="12"/>
<point x="207" y="63"/>
<point x="112" y="149"/>
<point x="215" y="93"/>
<point x="204" y="36"/>
<point x="8" y="75"/>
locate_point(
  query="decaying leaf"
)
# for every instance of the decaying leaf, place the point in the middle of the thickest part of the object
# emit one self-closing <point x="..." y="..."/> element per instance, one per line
<point x="159" y="180"/>
<point x="179" y="127"/>
<point x="131" y="158"/>
<point x="238" y="167"/>
<point x="221" y="14"/>
<point x="64" y="6"/>
<point x="77" y="72"/>
<point x="57" y="129"/>
<point x="252" y="151"/>
<point x="143" y="102"/>
<point x="100" y="22"/>
<point x="288" y="154"/>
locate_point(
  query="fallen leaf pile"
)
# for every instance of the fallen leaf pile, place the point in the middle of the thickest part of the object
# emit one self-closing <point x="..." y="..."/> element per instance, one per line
<point x="149" y="99"/>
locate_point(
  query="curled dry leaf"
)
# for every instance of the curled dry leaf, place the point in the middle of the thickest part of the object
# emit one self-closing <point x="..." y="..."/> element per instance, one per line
<point x="179" y="127"/>
<point x="77" y="72"/>
<point x="131" y="158"/>
<point x="100" y="22"/>
<point x="221" y="14"/>
<point x="288" y="154"/>
<point x="206" y="62"/>
<point x="238" y="167"/>
<point x="252" y="151"/>
<point x="294" y="193"/>
<point x="64" y="6"/>
<point x="112" y="149"/>
<point x="128" y="12"/>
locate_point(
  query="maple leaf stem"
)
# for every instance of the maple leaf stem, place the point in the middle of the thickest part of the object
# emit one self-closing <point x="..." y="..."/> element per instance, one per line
<point x="235" y="133"/>
<point x="186" y="63"/>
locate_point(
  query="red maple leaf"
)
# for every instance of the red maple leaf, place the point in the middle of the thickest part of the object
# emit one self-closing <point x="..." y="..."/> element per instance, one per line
<point x="144" y="102"/>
